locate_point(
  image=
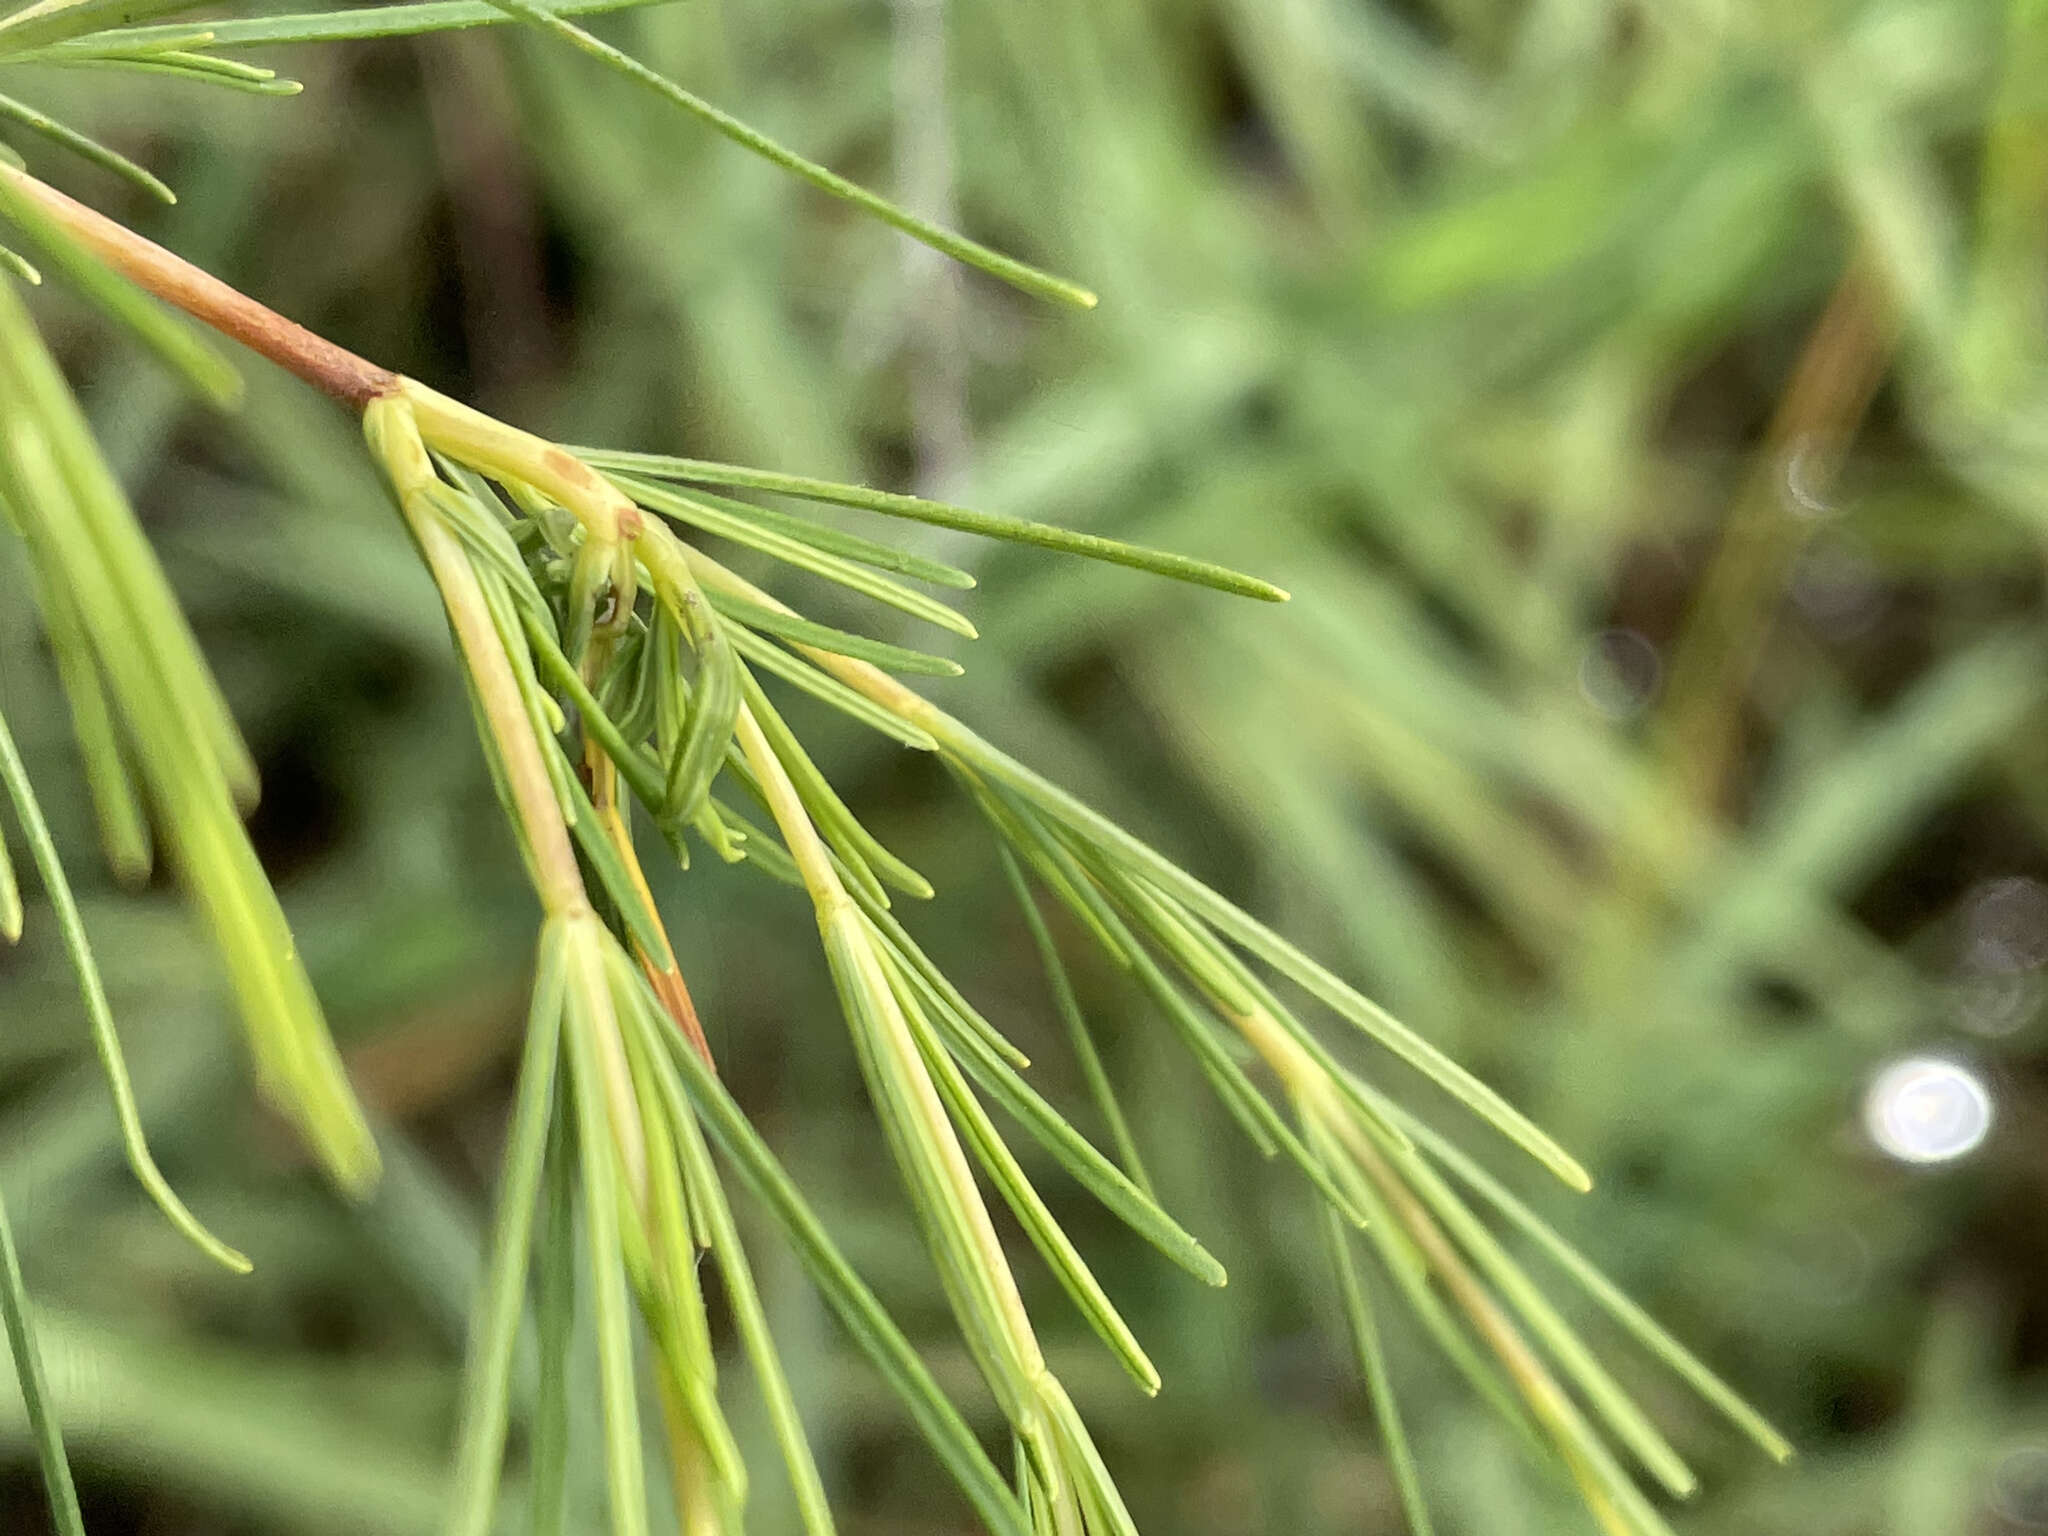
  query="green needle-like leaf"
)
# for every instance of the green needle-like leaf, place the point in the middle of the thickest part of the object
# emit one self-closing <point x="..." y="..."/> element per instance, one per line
<point x="797" y="672"/>
<point x="587" y="1018"/>
<point x="1372" y="1364"/>
<point x="85" y="539"/>
<point x="1616" y="1408"/>
<point x="194" y="68"/>
<point x="1016" y="273"/>
<point x="1610" y="1297"/>
<point x="554" y="1317"/>
<point x="866" y="1323"/>
<point x="707" y="732"/>
<point x="10" y="895"/>
<point x="53" y="21"/>
<point x="29" y="816"/>
<point x="84" y="146"/>
<point x="350" y="24"/>
<point x="1024" y="1201"/>
<point x="1242" y="928"/>
<point x="851" y="574"/>
<point x="494" y="1322"/>
<point x="859" y="848"/>
<point x="124" y="827"/>
<point x="939" y="514"/>
<point x="1094" y="1172"/>
<point x="750" y="1319"/>
<point x="1079" y="1036"/>
<point x="826" y="537"/>
<point x="35" y="1392"/>
<point x="801" y="631"/>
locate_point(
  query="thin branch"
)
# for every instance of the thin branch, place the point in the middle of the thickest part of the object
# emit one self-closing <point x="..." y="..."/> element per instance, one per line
<point x="328" y="368"/>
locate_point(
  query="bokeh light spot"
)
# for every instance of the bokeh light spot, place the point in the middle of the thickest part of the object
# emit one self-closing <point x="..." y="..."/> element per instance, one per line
<point x="1927" y="1109"/>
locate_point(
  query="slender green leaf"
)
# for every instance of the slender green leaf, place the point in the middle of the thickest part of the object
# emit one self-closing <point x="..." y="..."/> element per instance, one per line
<point x="794" y="670"/>
<point x="53" y="21"/>
<point x="1379" y="1386"/>
<point x="124" y="827"/>
<point x="343" y="25"/>
<point x="750" y="1319"/>
<point x="83" y="145"/>
<point x="701" y="513"/>
<point x="939" y="514"/>
<point x="866" y="1323"/>
<point x="494" y="1321"/>
<point x="861" y="850"/>
<point x="1079" y="1036"/>
<point x="1255" y="936"/>
<point x="587" y="1019"/>
<point x="554" y="1317"/>
<point x="29" y="816"/>
<point x="1002" y="1168"/>
<point x="822" y="637"/>
<point x="707" y="732"/>
<point x="999" y="1079"/>
<point x="15" y="1310"/>
<point x="1610" y="1297"/>
<point x="1016" y="273"/>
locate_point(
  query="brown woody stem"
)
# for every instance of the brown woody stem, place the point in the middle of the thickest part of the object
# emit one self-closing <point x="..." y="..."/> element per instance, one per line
<point x="328" y="368"/>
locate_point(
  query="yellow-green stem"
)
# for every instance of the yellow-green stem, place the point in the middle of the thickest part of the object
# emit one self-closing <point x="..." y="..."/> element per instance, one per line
<point x="551" y="856"/>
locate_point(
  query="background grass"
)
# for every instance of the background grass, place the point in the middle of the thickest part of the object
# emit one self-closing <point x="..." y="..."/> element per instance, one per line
<point x="1643" y="404"/>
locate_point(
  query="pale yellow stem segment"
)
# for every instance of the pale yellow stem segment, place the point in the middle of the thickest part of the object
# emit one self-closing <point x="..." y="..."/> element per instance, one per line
<point x="392" y="426"/>
<point x="506" y="453"/>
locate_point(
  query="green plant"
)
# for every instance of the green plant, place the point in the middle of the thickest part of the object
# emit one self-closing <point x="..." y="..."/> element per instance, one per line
<point x="612" y="666"/>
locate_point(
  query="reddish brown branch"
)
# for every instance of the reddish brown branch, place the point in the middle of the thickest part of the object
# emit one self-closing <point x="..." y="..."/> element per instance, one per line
<point x="328" y="368"/>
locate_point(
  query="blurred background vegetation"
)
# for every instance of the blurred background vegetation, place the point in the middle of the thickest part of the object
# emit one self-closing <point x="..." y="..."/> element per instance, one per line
<point x="1643" y="403"/>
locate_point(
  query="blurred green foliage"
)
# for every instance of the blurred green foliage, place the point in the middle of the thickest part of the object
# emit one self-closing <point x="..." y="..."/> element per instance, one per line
<point x="1644" y="406"/>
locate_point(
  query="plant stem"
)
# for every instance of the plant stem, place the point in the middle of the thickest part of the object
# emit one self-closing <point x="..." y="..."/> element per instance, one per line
<point x="331" y="369"/>
<point x="556" y="879"/>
